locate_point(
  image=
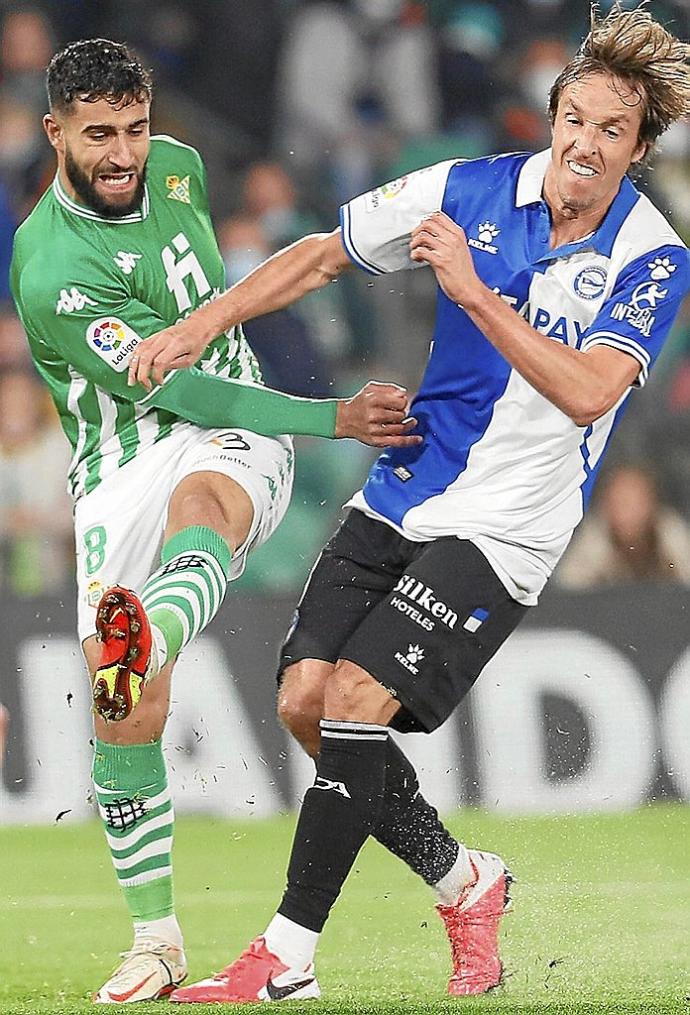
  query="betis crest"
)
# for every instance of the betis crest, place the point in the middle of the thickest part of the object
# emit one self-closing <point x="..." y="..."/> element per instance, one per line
<point x="179" y="189"/>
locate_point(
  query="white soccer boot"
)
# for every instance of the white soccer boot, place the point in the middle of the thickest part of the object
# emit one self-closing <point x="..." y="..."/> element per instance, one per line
<point x="151" y="970"/>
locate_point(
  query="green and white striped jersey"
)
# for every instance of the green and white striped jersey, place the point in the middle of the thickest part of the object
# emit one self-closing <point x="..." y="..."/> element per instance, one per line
<point x="88" y="289"/>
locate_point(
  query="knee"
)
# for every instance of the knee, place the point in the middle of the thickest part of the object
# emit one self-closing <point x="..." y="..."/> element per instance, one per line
<point x="353" y="695"/>
<point x="199" y="506"/>
<point x="300" y="711"/>
<point x="300" y="702"/>
<point x="218" y="503"/>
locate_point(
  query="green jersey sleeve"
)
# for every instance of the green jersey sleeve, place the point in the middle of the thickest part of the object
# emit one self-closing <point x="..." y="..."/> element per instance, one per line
<point x="215" y="401"/>
<point x="96" y="328"/>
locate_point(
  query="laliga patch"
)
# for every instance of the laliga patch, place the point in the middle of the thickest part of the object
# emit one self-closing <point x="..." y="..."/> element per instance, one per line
<point x="113" y="340"/>
<point x="375" y="198"/>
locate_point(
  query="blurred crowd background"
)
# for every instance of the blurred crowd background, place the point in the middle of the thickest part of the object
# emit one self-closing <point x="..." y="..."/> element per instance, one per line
<point x="296" y="106"/>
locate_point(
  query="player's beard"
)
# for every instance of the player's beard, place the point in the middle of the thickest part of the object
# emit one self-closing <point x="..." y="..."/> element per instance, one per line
<point x="89" y="196"/>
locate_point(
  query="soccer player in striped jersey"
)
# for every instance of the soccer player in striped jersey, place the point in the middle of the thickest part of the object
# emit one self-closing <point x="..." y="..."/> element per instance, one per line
<point x="557" y="285"/>
<point x="172" y="487"/>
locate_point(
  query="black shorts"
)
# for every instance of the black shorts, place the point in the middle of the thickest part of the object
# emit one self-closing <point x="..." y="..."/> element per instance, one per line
<point x="422" y="618"/>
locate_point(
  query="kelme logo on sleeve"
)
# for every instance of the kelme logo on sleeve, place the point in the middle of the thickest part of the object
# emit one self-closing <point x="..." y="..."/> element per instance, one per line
<point x="113" y="340"/>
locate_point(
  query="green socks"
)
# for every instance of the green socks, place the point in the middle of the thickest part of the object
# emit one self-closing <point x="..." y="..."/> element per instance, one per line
<point x="184" y="594"/>
<point x="131" y="782"/>
<point x="134" y="802"/>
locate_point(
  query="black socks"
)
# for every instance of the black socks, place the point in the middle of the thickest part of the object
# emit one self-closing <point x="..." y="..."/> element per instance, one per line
<point x="409" y="826"/>
<point x="338" y="813"/>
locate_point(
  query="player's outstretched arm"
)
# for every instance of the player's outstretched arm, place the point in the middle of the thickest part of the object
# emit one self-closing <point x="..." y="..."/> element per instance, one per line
<point x="376" y="415"/>
<point x="309" y="264"/>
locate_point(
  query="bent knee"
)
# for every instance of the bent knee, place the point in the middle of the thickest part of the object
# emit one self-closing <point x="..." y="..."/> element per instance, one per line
<point x="353" y="695"/>
<point x="299" y="708"/>
<point x="347" y="688"/>
<point x="199" y="507"/>
<point x="300" y="702"/>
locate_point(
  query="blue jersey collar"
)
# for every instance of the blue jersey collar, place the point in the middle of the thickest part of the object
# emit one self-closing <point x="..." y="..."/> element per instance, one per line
<point x="529" y="191"/>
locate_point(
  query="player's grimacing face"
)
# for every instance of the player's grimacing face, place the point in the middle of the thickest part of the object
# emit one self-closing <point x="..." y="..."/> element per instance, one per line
<point x="595" y="139"/>
<point x="103" y="149"/>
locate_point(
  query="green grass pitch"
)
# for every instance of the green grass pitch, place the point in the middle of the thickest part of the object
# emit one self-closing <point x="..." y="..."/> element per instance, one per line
<point x="601" y="920"/>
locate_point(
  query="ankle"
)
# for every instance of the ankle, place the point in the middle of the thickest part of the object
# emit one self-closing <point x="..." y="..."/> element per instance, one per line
<point x="451" y="886"/>
<point x="165" y="929"/>
<point x="290" y="942"/>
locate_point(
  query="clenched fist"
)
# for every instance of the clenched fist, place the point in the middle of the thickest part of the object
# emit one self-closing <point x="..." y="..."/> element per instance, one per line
<point x="377" y="415"/>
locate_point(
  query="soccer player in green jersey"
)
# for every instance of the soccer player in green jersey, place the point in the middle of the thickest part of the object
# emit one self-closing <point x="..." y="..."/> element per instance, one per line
<point x="172" y="486"/>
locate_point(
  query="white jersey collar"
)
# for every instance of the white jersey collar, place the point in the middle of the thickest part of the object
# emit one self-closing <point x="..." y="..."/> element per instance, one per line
<point x="531" y="179"/>
<point x="88" y="213"/>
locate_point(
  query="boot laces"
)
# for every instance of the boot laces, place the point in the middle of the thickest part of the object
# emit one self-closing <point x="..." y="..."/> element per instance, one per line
<point x="248" y="957"/>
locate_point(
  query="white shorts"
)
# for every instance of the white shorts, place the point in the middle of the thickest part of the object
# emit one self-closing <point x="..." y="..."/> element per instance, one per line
<point x="119" y="526"/>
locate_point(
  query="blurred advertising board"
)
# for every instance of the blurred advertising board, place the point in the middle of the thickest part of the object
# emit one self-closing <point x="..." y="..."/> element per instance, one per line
<point x="586" y="707"/>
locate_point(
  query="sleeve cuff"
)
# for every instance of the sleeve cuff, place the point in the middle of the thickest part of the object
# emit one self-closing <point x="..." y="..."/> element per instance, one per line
<point x="352" y="252"/>
<point x="624" y="344"/>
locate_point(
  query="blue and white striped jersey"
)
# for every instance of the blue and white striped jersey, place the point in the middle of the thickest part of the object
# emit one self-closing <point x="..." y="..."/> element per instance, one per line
<point x="500" y="464"/>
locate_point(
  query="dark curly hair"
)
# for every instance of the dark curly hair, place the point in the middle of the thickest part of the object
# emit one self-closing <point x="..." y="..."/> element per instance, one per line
<point x="95" y="69"/>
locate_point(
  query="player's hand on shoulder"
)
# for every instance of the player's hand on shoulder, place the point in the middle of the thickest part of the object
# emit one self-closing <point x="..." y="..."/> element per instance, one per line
<point x="441" y="243"/>
<point x="377" y="415"/>
<point x="174" y="348"/>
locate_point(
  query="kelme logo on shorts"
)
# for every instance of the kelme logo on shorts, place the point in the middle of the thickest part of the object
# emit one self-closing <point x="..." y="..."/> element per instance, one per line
<point x="113" y="340"/>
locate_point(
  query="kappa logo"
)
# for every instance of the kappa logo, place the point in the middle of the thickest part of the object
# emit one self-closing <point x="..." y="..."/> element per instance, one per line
<point x="179" y="189"/>
<point x="113" y="340"/>
<point x="71" y="301"/>
<point x="126" y="261"/>
<point x="486" y="234"/>
<point x="661" y="268"/>
<point x="414" y="655"/>
<point x="331" y="784"/>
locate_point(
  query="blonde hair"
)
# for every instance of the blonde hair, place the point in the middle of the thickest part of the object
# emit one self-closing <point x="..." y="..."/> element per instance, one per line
<point x="632" y="46"/>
